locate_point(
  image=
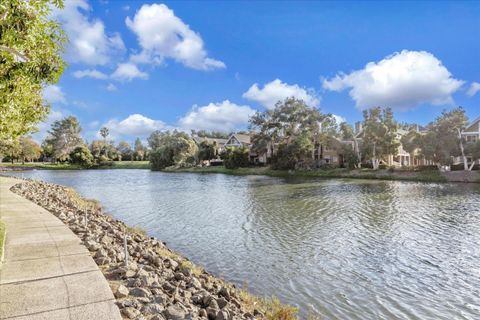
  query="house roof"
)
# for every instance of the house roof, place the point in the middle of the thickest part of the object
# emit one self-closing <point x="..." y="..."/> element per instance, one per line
<point x="471" y="127"/>
<point x="219" y="141"/>
<point x="241" y="138"/>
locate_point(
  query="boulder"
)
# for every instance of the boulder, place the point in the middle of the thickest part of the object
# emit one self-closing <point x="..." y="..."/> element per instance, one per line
<point x="140" y="292"/>
<point x="174" y="313"/>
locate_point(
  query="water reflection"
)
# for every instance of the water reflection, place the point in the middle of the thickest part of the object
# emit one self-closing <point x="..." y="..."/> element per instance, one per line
<point x="351" y="249"/>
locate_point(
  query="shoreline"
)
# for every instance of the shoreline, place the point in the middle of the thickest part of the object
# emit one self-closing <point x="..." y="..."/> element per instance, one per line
<point x="158" y="283"/>
<point x="370" y="174"/>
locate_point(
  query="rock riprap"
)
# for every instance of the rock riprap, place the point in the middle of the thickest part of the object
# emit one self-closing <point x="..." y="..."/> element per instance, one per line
<point x="157" y="283"/>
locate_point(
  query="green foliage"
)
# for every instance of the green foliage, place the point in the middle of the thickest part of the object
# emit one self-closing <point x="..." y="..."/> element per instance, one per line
<point x="139" y="151"/>
<point x="30" y="58"/>
<point x="125" y="151"/>
<point x="235" y="157"/>
<point x="29" y="149"/>
<point x="81" y="156"/>
<point x="350" y="157"/>
<point x="207" y="151"/>
<point x="176" y="148"/>
<point x="380" y="134"/>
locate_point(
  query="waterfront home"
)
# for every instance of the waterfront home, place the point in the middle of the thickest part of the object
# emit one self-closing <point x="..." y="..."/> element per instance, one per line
<point x="470" y="135"/>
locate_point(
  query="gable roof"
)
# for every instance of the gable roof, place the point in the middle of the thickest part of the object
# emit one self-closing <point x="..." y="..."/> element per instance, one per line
<point x="474" y="126"/>
<point x="237" y="138"/>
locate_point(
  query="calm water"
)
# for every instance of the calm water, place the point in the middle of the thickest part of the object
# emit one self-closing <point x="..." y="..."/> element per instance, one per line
<point x="348" y="249"/>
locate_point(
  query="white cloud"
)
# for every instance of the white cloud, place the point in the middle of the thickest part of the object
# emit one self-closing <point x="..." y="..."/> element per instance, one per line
<point x="162" y="35"/>
<point x="400" y="81"/>
<point x="134" y="125"/>
<point x="339" y="119"/>
<point x="54" y="94"/>
<point x="474" y="88"/>
<point x="90" y="73"/>
<point x="223" y="116"/>
<point x="277" y="90"/>
<point x="111" y="87"/>
<point x="127" y="72"/>
<point x="89" y="43"/>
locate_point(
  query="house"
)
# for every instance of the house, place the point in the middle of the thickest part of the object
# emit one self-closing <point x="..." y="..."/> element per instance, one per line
<point x="238" y="140"/>
<point x="219" y="142"/>
<point x="471" y="135"/>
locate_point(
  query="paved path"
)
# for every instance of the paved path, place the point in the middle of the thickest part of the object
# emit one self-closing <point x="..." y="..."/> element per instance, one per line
<point x="47" y="273"/>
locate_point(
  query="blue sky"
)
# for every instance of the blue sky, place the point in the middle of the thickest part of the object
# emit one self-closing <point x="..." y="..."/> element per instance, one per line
<point x="139" y="66"/>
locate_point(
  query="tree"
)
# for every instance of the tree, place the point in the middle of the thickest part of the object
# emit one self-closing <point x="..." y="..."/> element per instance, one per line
<point x="291" y="120"/>
<point x="31" y="44"/>
<point x="139" y="150"/>
<point x="347" y="134"/>
<point x="176" y="148"/>
<point x="125" y="150"/>
<point x="64" y="137"/>
<point x="29" y="149"/>
<point x="473" y="150"/>
<point x="411" y="141"/>
<point x="379" y="134"/>
<point x="81" y="156"/>
<point x="448" y="128"/>
<point x="235" y="157"/>
<point x="9" y="149"/>
<point x="207" y="151"/>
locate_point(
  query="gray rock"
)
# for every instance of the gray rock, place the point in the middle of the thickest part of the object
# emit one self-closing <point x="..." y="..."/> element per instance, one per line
<point x="222" y="302"/>
<point x="130" y="313"/>
<point x="174" y="313"/>
<point x="140" y="292"/>
<point x="152" y="308"/>
<point x="222" y="315"/>
<point x="121" y="291"/>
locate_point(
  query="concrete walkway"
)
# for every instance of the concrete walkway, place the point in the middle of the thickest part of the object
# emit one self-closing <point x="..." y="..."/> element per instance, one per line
<point x="47" y="273"/>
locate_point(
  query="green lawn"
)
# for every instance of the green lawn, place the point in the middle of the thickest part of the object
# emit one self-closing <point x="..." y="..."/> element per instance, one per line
<point x="2" y="239"/>
<point x="67" y="166"/>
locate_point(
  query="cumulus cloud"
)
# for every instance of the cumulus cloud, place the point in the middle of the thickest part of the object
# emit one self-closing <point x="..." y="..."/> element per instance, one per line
<point x="400" y="81"/>
<point x="127" y="72"/>
<point x="54" y="94"/>
<point x="222" y="116"/>
<point x="134" y="125"/>
<point x="90" y="73"/>
<point x="277" y="90"/>
<point x="163" y="35"/>
<point x="89" y="42"/>
<point x="339" y="119"/>
<point x="474" y="88"/>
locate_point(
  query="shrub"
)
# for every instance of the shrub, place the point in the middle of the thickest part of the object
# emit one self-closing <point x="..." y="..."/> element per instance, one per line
<point x="235" y="158"/>
<point x="161" y="158"/>
<point x="382" y="166"/>
<point x="427" y="168"/>
<point x="81" y="156"/>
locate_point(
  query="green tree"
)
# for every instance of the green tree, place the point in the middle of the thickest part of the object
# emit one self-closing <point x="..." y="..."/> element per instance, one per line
<point x="126" y="152"/>
<point x="379" y="134"/>
<point x="176" y="148"/>
<point x="10" y="149"/>
<point x="139" y="151"/>
<point x="347" y="134"/>
<point x="29" y="149"/>
<point x="64" y="137"/>
<point x="207" y="151"/>
<point x="290" y="121"/>
<point x="31" y="44"/>
<point x="81" y="156"/>
<point x="235" y="157"/>
<point x="473" y="150"/>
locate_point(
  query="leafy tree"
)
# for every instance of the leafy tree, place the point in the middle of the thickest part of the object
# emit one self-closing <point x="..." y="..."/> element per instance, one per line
<point x="9" y="149"/>
<point x="207" y="151"/>
<point x="29" y="149"/>
<point x="210" y="134"/>
<point x="126" y="152"/>
<point x="347" y="134"/>
<point x="104" y="132"/>
<point x="350" y="157"/>
<point x="81" y="155"/>
<point x="30" y="58"/>
<point x="176" y="148"/>
<point x="235" y="157"/>
<point x="380" y="134"/>
<point x="291" y="120"/>
<point x="473" y="150"/>
<point x="155" y="139"/>
<point x="139" y="151"/>
<point x="64" y="137"/>
<point x="448" y="128"/>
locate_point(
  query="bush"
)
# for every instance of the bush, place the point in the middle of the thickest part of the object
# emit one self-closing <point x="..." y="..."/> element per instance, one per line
<point x="382" y="166"/>
<point x="235" y="158"/>
<point x="161" y="158"/>
<point x="427" y="168"/>
<point x="81" y="156"/>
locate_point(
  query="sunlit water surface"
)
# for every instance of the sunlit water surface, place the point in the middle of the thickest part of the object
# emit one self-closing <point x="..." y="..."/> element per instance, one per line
<point x="346" y="249"/>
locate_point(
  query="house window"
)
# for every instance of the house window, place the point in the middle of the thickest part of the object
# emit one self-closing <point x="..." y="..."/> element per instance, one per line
<point x="471" y="138"/>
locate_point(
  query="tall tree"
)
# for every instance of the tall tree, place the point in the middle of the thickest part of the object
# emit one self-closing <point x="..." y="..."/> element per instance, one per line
<point x="64" y="137"/>
<point x="29" y="149"/>
<point x="31" y="44"/>
<point x="174" y="148"/>
<point x="207" y="151"/>
<point x="379" y="134"/>
<point x="125" y="150"/>
<point x="139" y="150"/>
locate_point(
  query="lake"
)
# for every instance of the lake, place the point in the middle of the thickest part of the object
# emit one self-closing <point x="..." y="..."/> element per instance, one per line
<point x="346" y="249"/>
